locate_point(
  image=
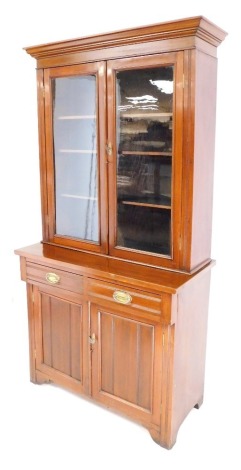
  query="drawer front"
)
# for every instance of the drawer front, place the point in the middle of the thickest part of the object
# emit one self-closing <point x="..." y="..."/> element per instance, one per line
<point x="119" y="295"/>
<point x="54" y="277"/>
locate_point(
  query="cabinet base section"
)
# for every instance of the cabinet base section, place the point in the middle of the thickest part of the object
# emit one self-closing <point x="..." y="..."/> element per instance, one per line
<point x="161" y="435"/>
<point x="41" y="378"/>
<point x="164" y="441"/>
<point x="61" y="380"/>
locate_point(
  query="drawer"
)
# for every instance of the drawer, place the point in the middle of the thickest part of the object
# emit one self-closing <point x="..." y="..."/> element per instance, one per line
<point x="54" y="277"/>
<point x="119" y="295"/>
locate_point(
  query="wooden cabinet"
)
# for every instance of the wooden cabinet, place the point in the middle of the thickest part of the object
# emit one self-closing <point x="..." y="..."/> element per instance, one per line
<point x="118" y="288"/>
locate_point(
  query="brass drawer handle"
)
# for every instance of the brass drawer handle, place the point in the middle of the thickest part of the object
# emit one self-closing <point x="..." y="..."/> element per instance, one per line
<point x="122" y="297"/>
<point x="52" y="278"/>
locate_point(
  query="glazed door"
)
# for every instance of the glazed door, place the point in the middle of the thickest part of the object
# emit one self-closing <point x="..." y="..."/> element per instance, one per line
<point x="75" y="160"/>
<point x="61" y="337"/>
<point x="145" y="152"/>
<point x="126" y="363"/>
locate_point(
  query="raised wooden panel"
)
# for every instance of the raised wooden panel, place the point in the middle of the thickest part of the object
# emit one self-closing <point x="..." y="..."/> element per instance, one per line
<point x="61" y="323"/>
<point x="60" y="342"/>
<point x="127" y="351"/>
<point x="124" y="360"/>
<point x="145" y="362"/>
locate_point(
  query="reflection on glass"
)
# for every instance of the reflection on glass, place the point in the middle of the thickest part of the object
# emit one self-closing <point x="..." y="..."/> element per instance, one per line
<point x="145" y="229"/>
<point x="144" y="160"/>
<point x="75" y="157"/>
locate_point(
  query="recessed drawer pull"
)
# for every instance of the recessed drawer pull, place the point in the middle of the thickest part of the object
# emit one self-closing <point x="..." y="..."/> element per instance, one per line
<point x="122" y="297"/>
<point x="52" y="278"/>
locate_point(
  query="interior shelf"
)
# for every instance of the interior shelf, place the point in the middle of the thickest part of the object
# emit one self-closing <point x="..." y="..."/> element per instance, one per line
<point x="76" y="196"/>
<point x="77" y="151"/>
<point x="145" y="115"/>
<point x="136" y="152"/>
<point x="81" y="116"/>
<point x="160" y="202"/>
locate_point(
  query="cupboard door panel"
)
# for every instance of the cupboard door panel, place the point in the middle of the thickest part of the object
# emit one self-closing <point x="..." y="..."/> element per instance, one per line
<point x="59" y="338"/>
<point x="124" y="357"/>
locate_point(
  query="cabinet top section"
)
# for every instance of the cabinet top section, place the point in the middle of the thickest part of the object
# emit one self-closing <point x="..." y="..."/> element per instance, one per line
<point x="185" y="33"/>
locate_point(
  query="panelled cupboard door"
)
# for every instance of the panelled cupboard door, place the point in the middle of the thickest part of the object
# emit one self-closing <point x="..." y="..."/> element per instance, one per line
<point x="145" y="114"/>
<point x="126" y="364"/>
<point x="75" y="156"/>
<point x="60" y="337"/>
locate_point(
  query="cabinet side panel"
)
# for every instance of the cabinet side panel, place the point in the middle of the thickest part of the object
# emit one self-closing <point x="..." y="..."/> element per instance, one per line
<point x="190" y="347"/>
<point x="204" y="143"/>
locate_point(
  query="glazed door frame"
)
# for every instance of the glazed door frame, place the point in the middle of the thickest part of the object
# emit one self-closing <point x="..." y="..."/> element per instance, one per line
<point x="59" y="340"/>
<point x="158" y="60"/>
<point x="97" y="69"/>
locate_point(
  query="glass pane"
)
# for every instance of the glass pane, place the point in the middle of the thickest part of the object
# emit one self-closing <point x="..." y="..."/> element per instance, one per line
<point x="144" y="159"/>
<point x="75" y="157"/>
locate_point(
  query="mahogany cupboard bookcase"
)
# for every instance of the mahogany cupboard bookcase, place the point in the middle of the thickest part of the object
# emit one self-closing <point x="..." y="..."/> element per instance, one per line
<point x="118" y="289"/>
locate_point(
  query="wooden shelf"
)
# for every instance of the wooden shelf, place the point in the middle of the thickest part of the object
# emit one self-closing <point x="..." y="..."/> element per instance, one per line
<point x="75" y="196"/>
<point x="162" y="202"/>
<point x="142" y="204"/>
<point x="77" y="151"/>
<point x="152" y="154"/>
<point x="145" y="115"/>
<point x="83" y="116"/>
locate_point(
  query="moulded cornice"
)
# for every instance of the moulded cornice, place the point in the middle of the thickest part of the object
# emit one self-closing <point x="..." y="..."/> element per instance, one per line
<point x="198" y="27"/>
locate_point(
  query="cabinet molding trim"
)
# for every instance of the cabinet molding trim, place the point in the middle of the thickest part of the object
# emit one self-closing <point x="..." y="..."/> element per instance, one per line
<point x="196" y="26"/>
